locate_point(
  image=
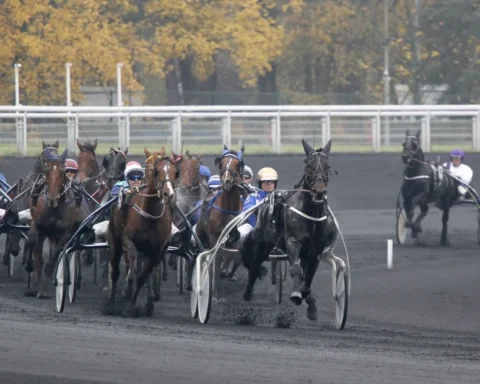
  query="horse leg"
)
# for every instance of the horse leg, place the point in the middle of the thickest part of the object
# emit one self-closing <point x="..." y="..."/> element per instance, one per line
<point x="258" y="254"/>
<point x="296" y="271"/>
<point x="114" y="258"/>
<point x="38" y="252"/>
<point x="28" y="256"/>
<point x="141" y="277"/>
<point x="131" y="254"/>
<point x="311" y="264"/>
<point x="445" y="216"/>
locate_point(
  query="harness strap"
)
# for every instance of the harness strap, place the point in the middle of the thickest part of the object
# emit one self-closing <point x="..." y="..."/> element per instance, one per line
<point x="417" y="177"/>
<point x="306" y="216"/>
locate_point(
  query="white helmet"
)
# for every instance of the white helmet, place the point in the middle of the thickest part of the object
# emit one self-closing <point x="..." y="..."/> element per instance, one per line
<point x="133" y="166"/>
<point x="247" y="171"/>
<point x="267" y="174"/>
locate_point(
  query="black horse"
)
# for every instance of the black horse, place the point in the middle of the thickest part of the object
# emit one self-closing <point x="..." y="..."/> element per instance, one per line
<point x="424" y="183"/>
<point x="298" y="225"/>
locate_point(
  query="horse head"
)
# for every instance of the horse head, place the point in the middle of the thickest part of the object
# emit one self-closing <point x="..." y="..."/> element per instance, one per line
<point x="160" y="173"/>
<point x="317" y="169"/>
<point x="188" y="171"/>
<point x="40" y="164"/>
<point x="55" y="176"/>
<point x="231" y="167"/>
<point x="114" y="163"/>
<point x="87" y="162"/>
<point x="411" y="148"/>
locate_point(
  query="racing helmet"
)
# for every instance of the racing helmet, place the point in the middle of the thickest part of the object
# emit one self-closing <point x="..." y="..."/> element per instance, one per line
<point x="247" y="171"/>
<point x="133" y="166"/>
<point x="71" y="165"/>
<point x="214" y="182"/>
<point x="457" y="153"/>
<point x="204" y="171"/>
<point x="265" y="174"/>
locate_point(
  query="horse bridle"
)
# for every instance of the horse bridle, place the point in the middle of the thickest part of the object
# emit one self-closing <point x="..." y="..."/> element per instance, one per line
<point x="116" y="155"/>
<point x="235" y="174"/>
<point x="180" y="177"/>
<point x="152" y="167"/>
<point x="411" y="154"/>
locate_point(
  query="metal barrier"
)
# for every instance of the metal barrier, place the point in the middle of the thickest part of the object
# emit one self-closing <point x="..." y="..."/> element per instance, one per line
<point x="263" y="129"/>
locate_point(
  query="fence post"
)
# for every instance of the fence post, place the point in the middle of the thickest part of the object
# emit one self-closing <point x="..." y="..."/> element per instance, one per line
<point x="279" y="134"/>
<point x="20" y="129"/>
<point x="329" y="128"/>
<point x="478" y="130"/>
<point x="374" y="133"/>
<point x="127" y="131"/>
<point x="323" y="123"/>
<point x="173" y="127"/>
<point x="24" y="134"/>
<point x="70" y="121"/>
<point x="273" y="134"/>
<point x="179" y="130"/>
<point x="428" y="132"/>
<point x="423" y="134"/>
<point x="378" y="130"/>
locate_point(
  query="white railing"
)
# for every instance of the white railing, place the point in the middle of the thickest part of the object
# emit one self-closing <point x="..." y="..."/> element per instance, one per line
<point x="263" y="129"/>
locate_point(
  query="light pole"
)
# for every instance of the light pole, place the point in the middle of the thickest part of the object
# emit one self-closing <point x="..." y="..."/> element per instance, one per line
<point x="386" y="72"/>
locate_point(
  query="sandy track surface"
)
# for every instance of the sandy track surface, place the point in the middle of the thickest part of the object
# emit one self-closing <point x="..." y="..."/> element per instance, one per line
<point x="417" y="323"/>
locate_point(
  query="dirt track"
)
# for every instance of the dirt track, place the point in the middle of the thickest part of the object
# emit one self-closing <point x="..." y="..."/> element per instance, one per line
<point x="417" y="323"/>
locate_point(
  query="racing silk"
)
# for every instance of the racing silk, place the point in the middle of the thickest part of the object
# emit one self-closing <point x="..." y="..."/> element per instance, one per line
<point x="251" y="200"/>
<point x="117" y="187"/>
<point x="463" y="172"/>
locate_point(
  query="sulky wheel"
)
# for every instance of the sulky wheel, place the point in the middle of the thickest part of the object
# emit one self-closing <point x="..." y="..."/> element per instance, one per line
<point x="401" y="230"/>
<point x="194" y="294"/>
<point x="478" y="220"/>
<point x="74" y="274"/>
<point x="279" y="280"/>
<point x="11" y="265"/>
<point x="341" y="299"/>
<point x="180" y="273"/>
<point x="204" y="296"/>
<point x="60" y="282"/>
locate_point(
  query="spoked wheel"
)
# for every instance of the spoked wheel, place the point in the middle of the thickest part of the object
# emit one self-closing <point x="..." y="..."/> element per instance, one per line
<point x="74" y="264"/>
<point x="341" y="299"/>
<point x="11" y="265"/>
<point x="205" y="293"/>
<point x="478" y="227"/>
<point x="279" y="280"/>
<point x="60" y="282"/>
<point x="194" y="293"/>
<point x="180" y="272"/>
<point x="401" y="230"/>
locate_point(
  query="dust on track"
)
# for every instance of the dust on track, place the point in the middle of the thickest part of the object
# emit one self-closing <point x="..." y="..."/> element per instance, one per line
<point x="418" y="322"/>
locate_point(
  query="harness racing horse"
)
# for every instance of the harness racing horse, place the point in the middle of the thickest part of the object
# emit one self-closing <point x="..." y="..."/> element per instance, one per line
<point x="12" y="243"/>
<point x="217" y="212"/>
<point x="189" y="189"/>
<point x="89" y="172"/>
<point x="422" y="186"/>
<point x="301" y="229"/>
<point x="147" y="231"/>
<point x="57" y="214"/>
<point x="114" y="164"/>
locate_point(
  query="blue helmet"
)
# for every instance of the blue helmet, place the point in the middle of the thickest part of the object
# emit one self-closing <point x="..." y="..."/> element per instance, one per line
<point x="214" y="181"/>
<point x="457" y="153"/>
<point x="204" y="171"/>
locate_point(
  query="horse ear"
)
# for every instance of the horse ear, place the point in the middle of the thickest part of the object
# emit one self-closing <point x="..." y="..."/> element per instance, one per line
<point x="307" y="148"/>
<point x="187" y="154"/>
<point x="43" y="144"/>
<point x="79" y="145"/>
<point x="147" y="152"/>
<point x="327" y="148"/>
<point x="94" y="146"/>
<point x="407" y="133"/>
<point x="55" y="144"/>
<point x="418" y="134"/>
<point x="64" y="155"/>
<point x="126" y="151"/>
<point x="242" y="149"/>
<point x="162" y="151"/>
<point x="172" y="157"/>
<point x="225" y="148"/>
<point x="218" y="162"/>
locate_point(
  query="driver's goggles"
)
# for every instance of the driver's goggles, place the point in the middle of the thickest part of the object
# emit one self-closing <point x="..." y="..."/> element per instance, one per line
<point x="135" y="177"/>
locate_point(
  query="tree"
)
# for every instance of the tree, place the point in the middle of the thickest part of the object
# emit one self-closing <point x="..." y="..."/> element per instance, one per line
<point x="43" y="35"/>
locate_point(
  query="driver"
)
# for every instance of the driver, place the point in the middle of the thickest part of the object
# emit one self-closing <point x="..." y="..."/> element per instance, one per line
<point x="460" y="170"/>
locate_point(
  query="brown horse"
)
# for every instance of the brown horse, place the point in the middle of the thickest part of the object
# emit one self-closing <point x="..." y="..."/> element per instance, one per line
<point x="12" y="243"/>
<point x="222" y="208"/>
<point x="147" y="231"/>
<point x="56" y="216"/>
<point x="89" y="172"/>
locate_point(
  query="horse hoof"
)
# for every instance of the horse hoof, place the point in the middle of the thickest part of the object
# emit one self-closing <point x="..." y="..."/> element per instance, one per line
<point x="149" y="308"/>
<point x="247" y="296"/>
<point x="263" y="272"/>
<point x="157" y="297"/>
<point x="312" y="308"/>
<point x="31" y="293"/>
<point x="444" y="243"/>
<point x="296" y="298"/>
<point x="42" y="295"/>
<point x="131" y="311"/>
<point x="29" y="267"/>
